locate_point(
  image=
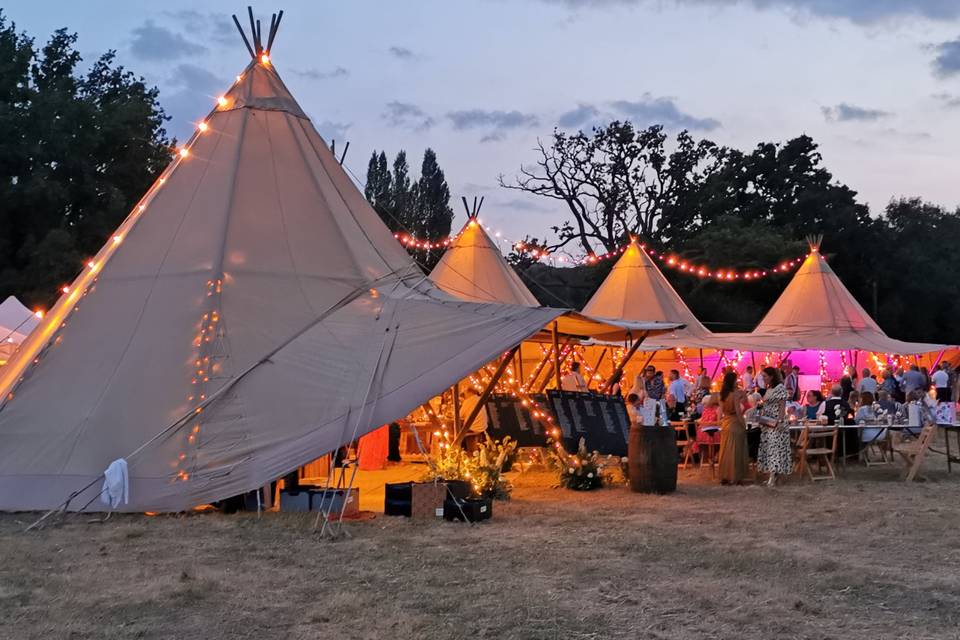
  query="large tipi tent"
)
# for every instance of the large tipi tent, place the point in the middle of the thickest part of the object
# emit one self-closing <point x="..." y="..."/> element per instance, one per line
<point x="816" y="311"/>
<point x="251" y="314"/>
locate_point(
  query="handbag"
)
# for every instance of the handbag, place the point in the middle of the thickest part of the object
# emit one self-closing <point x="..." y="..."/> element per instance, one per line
<point x="767" y="421"/>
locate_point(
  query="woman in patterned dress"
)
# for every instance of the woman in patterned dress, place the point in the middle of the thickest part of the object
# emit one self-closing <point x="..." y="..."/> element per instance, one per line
<point x="774" y="454"/>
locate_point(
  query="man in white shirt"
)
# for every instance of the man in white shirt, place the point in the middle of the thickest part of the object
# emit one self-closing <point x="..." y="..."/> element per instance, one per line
<point x="677" y="391"/>
<point x="941" y="380"/>
<point x="573" y="381"/>
<point x="868" y="384"/>
<point x="748" y="382"/>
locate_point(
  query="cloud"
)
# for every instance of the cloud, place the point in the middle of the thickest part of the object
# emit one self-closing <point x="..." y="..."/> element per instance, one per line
<point x="477" y="118"/>
<point x="316" y="74"/>
<point x="578" y="117"/>
<point x="858" y="11"/>
<point x="407" y="116"/>
<point x="947" y="62"/>
<point x="844" y="112"/>
<point x="947" y="100"/>
<point x="908" y="135"/>
<point x="192" y="98"/>
<point x="153" y="42"/>
<point x="498" y="123"/>
<point x="401" y="52"/>
<point x="652" y="110"/>
<point x="216" y="26"/>
<point x="521" y="204"/>
<point x="330" y="131"/>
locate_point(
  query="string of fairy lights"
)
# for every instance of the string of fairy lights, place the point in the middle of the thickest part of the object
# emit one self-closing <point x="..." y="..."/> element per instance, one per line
<point x="669" y="260"/>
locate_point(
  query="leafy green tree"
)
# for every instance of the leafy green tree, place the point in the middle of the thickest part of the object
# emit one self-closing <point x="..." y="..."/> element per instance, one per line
<point x="432" y="215"/>
<point x="76" y="152"/>
<point x="420" y="208"/>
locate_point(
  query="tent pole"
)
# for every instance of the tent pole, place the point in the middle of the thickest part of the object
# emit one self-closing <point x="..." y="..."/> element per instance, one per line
<point x="549" y="374"/>
<point x="753" y="360"/>
<point x="556" y="355"/>
<point x="539" y="368"/>
<point x="701" y="359"/>
<point x="519" y="367"/>
<point x="596" y="367"/>
<point x="481" y="403"/>
<point x="719" y="360"/>
<point x="456" y="406"/>
<point x="937" y="363"/>
<point x="626" y="359"/>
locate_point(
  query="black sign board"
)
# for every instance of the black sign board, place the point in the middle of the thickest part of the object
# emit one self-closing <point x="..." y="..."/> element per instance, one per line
<point x="507" y="416"/>
<point x="599" y="419"/>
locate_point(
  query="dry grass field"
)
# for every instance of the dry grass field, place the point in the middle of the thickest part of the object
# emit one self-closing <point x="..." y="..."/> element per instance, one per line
<point x="865" y="557"/>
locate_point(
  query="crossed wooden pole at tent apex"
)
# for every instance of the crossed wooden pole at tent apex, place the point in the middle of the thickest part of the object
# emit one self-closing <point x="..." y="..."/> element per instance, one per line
<point x="258" y="51"/>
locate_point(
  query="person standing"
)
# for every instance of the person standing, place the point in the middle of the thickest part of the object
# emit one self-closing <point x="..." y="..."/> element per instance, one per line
<point x="774" y="454"/>
<point x="734" y="461"/>
<point x="791" y="381"/>
<point x="868" y="384"/>
<point x="913" y="380"/>
<point x="677" y="391"/>
<point x="941" y="381"/>
<point x="749" y="385"/>
<point x="573" y="381"/>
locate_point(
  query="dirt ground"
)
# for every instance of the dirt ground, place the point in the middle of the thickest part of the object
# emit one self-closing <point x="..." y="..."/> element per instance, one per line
<point x="864" y="557"/>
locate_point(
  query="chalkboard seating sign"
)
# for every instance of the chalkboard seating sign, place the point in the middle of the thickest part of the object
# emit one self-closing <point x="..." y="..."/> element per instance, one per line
<point x="506" y="416"/>
<point x="601" y="420"/>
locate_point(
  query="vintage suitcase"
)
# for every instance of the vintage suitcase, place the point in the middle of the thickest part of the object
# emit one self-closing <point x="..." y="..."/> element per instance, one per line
<point x="426" y="500"/>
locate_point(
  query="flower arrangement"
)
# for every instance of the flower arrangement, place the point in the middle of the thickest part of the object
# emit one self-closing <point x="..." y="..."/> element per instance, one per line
<point x="483" y="468"/>
<point x="581" y="471"/>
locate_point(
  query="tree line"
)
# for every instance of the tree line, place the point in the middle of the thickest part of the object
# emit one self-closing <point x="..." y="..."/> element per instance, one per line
<point x="750" y="209"/>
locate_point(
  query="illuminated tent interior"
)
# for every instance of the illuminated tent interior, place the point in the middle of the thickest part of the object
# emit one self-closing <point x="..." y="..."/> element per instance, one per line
<point x="251" y="314"/>
<point x="16" y="323"/>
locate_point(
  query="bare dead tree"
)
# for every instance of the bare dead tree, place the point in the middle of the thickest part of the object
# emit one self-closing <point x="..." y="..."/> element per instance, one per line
<point x="617" y="182"/>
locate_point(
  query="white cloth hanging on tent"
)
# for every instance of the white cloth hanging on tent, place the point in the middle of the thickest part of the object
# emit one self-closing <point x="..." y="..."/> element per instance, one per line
<point x="116" y="484"/>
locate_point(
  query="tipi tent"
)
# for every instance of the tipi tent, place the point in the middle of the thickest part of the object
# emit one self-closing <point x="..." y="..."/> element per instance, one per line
<point x="251" y="314"/>
<point x="636" y="288"/>
<point x="816" y="311"/>
<point x="474" y="269"/>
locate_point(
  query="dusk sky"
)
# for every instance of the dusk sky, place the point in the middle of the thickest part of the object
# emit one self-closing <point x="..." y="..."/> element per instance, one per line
<point x="875" y="82"/>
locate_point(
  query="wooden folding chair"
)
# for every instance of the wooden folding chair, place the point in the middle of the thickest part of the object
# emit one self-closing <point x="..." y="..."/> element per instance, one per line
<point x="914" y="451"/>
<point x="817" y="444"/>
<point x="708" y="451"/>
<point x="876" y="451"/>
<point x="684" y="442"/>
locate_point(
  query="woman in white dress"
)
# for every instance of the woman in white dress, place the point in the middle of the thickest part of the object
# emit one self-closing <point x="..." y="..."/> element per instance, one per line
<point x="774" y="454"/>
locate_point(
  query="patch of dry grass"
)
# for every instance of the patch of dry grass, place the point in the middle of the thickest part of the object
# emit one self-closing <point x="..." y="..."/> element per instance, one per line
<point x="865" y="557"/>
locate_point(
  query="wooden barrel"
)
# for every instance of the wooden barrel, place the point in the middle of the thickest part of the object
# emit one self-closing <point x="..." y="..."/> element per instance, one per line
<point x="652" y="454"/>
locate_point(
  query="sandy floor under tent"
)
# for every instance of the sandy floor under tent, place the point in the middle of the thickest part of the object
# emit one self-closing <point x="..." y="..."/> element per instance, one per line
<point x="865" y="557"/>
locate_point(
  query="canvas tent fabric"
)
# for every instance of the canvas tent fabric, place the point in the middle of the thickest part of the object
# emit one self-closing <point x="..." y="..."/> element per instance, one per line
<point x="816" y="311"/>
<point x="251" y="314"/>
